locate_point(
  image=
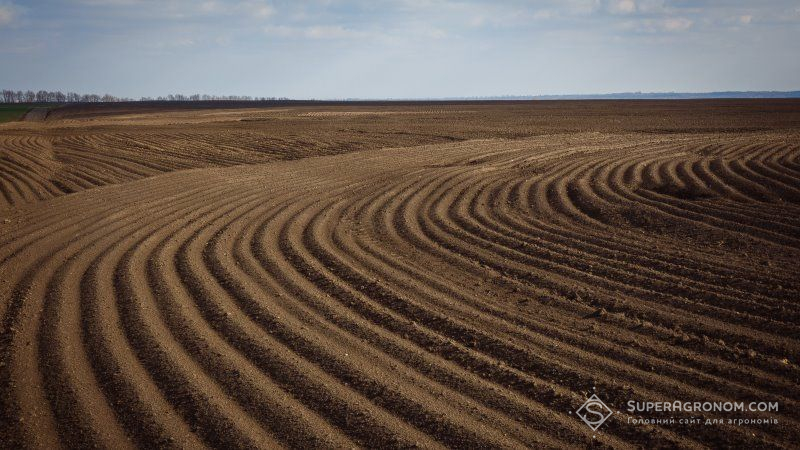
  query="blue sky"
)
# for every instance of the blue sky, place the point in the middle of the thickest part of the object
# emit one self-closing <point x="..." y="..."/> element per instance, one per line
<point x="398" y="48"/>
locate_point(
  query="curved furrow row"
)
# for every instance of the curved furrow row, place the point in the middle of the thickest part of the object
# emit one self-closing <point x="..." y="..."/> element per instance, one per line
<point x="440" y="239"/>
<point x="471" y="294"/>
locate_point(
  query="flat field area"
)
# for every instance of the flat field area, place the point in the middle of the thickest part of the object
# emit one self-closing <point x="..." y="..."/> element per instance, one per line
<point x="385" y="275"/>
<point x="12" y="112"/>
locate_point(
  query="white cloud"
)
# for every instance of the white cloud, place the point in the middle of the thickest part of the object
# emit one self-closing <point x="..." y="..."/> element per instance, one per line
<point x="315" y="32"/>
<point x="8" y="13"/>
<point x="264" y="11"/>
<point x="258" y="9"/>
<point x="544" y="14"/>
<point x="677" y="24"/>
<point x="283" y="31"/>
<point x="182" y="9"/>
<point x="332" y="32"/>
<point x="622" y="6"/>
<point x="210" y="7"/>
<point x="252" y="8"/>
<point x="338" y="32"/>
<point x="653" y="7"/>
<point x="582" y="7"/>
<point x="108" y="2"/>
<point x="436" y="34"/>
<point x="477" y="21"/>
<point x="666" y="25"/>
<point x="176" y="43"/>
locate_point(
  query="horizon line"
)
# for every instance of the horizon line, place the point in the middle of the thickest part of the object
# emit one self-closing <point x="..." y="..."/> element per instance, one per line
<point x="42" y="96"/>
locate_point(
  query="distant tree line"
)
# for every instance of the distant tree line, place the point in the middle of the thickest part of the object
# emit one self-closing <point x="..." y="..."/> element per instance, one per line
<point x="11" y="96"/>
<point x="207" y="98"/>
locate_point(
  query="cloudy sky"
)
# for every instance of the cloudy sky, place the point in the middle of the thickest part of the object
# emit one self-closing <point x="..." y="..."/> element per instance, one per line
<point x="398" y="48"/>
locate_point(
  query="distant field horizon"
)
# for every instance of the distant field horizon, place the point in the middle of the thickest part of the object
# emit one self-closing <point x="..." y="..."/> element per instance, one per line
<point x="720" y="95"/>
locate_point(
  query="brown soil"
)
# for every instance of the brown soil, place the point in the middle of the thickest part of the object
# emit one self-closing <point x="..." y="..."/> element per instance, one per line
<point x="396" y="275"/>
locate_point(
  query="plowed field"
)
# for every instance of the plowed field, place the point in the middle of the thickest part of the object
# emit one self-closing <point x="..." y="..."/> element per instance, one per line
<point x="455" y="275"/>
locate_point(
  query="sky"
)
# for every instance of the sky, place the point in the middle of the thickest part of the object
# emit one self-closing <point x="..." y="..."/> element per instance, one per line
<point x="327" y="49"/>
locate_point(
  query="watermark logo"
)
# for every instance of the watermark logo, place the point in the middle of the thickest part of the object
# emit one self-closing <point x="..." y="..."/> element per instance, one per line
<point x="594" y="412"/>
